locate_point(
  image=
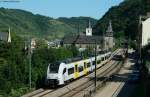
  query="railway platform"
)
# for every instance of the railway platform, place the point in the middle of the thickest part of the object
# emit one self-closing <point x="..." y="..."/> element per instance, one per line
<point x="119" y="86"/>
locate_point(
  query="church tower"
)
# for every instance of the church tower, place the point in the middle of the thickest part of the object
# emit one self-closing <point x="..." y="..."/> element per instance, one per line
<point x="109" y="31"/>
<point x="9" y="36"/>
<point x="89" y="30"/>
<point x="109" y="41"/>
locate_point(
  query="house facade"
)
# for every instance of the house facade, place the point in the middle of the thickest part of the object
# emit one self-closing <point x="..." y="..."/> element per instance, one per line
<point x="5" y="36"/>
<point x="144" y="31"/>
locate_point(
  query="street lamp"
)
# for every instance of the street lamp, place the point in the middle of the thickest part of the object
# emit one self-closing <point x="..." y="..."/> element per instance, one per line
<point x="95" y="64"/>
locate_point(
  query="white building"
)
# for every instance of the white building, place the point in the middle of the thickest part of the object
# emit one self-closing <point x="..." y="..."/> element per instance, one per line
<point x="145" y="32"/>
<point x="54" y="44"/>
<point x="89" y="30"/>
<point x="9" y="36"/>
<point x="5" y="36"/>
<point x="33" y="43"/>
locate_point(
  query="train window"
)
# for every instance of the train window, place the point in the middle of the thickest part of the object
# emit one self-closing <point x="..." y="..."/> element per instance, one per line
<point x="80" y="68"/>
<point x="99" y="61"/>
<point x="106" y="57"/>
<point x="93" y="63"/>
<point x="85" y="65"/>
<point x="53" y="68"/>
<point x="64" y="70"/>
<point x="88" y="65"/>
<point x="70" y="71"/>
<point x="102" y="58"/>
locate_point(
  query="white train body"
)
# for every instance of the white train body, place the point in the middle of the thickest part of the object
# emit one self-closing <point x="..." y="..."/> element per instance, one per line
<point x="62" y="72"/>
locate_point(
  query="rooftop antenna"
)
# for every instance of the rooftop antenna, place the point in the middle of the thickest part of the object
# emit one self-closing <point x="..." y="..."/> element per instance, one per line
<point x="78" y="29"/>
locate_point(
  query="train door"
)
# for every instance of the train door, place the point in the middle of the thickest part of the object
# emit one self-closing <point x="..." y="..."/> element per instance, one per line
<point x="76" y="73"/>
<point x="65" y="74"/>
<point x="85" y="68"/>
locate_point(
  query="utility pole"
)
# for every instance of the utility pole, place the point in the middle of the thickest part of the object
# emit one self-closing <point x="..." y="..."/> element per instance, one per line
<point x="140" y="40"/>
<point x="95" y="64"/>
<point x="29" y="58"/>
<point x="78" y="29"/>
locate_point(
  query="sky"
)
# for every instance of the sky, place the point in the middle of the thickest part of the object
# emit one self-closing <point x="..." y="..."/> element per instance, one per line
<point x="63" y="8"/>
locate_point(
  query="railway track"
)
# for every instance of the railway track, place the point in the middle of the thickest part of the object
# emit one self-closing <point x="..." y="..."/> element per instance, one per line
<point x="90" y="84"/>
<point x="91" y="88"/>
<point x="70" y="91"/>
<point x="38" y="92"/>
<point x="66" y="90"/>
<point x="42" y="93"/>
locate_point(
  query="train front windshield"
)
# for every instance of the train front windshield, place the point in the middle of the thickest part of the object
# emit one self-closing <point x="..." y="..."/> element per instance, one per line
<point x="53" y="68"/>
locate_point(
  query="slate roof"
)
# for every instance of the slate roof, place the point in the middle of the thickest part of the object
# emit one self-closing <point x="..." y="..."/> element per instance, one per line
<point x="82" y="39"/>
<point x="3" y="36"/>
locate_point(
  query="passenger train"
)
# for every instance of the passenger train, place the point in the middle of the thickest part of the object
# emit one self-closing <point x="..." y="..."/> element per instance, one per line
<point x="62" y="72"/>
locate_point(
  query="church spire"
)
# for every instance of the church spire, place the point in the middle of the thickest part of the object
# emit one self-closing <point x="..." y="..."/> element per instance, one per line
<point x="89" y="24"/>
<point x="89" y="29"/>
<point x="9" y="35"/>
<point x="109" y="31"/>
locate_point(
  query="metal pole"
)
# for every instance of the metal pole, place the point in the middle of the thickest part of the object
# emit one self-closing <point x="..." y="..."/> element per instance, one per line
<point x="95" y="63"/>
<point x="140" y="39"/>
<point x="30" y="56"/>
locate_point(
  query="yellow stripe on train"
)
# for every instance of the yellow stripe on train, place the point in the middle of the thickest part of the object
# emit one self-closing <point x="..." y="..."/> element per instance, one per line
<point x="85" y="68"/>
<point x="76" y="73"/>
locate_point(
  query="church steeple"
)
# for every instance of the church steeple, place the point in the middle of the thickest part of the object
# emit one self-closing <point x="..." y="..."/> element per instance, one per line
<point x="109" y="40"/>
<point x="89" y="29"/>
<point x="90" y="24"/>
<point x="109" y="31"/>
<point x="9" y="36"/>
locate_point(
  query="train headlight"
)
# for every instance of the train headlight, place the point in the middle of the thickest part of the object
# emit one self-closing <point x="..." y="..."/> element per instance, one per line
<point x="52" y="77"/>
